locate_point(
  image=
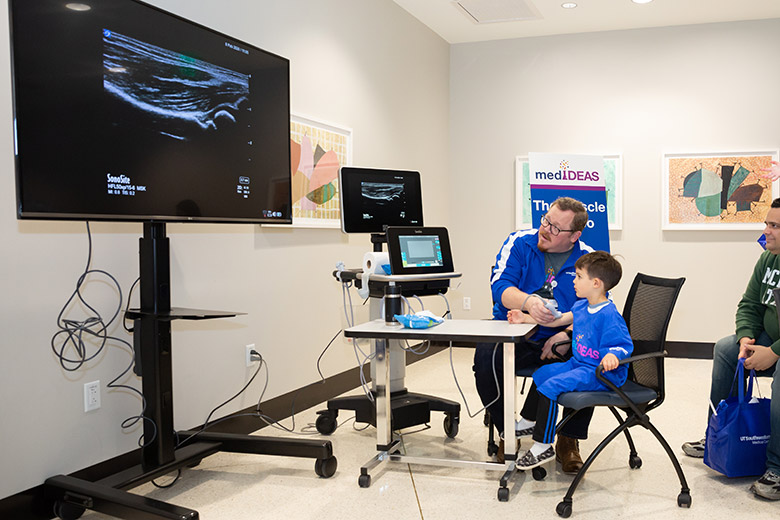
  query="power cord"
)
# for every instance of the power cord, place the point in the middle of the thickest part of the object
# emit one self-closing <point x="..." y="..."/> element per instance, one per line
<point x="76" y="333"/>
<point x="495" y="378"/>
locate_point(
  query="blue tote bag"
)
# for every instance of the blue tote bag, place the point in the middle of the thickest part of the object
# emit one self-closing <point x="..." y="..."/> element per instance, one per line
<point x="738" y="433"/>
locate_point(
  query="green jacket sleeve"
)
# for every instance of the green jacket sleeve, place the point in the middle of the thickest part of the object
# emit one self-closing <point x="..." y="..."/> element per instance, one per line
<point x="750" y="310"/>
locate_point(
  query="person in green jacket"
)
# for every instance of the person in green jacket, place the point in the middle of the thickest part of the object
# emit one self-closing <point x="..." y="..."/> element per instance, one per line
<point x="757" y="339"/>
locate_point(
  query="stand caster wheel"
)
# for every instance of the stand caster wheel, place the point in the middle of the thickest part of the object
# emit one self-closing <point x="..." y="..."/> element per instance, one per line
<point x="66" y="511"/>
<point x="563" y="509"/>
<point x="539" y="473"/>
<point x="635" y="462"/>
<point x="684" y="499"/>
<point x="364" y="481"/>
<point x="492" y="448"/>
<point x="503" y="494"/>
<point x="325" y="468"/>
<point x="326" y="422"/>
<point x="451" y="426"/>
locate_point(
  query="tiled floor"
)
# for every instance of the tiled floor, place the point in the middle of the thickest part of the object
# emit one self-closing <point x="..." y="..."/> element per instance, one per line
<point x="237" y="487"/>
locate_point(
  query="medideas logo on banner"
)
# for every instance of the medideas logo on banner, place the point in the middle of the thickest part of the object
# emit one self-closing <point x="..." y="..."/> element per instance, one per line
<point x="579" y="177"/>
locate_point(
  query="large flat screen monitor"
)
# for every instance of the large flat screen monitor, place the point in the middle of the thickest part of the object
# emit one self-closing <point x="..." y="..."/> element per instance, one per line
<point x="373" y="199"/>
<point x="123" y="111"/>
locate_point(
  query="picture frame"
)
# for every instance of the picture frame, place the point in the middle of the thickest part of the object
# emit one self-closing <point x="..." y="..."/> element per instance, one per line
<point x="318" y="149"/>
<point x="716" y="190"/>
<point x="613" y="171"/>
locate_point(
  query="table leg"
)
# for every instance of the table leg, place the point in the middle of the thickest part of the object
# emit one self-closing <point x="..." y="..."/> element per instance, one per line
<point x="510" y="392"/>
<point x="383" y="414"/>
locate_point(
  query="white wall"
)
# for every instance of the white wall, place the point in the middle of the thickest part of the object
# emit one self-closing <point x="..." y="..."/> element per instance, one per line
<point x="641" y="93"/>
<point x="369" y="66"/>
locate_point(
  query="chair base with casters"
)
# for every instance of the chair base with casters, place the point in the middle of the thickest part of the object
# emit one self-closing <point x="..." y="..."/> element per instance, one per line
<point x="624" y="398"/>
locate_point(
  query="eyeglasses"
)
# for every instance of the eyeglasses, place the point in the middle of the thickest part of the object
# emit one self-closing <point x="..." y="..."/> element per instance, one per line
<point x="554" y="230"/>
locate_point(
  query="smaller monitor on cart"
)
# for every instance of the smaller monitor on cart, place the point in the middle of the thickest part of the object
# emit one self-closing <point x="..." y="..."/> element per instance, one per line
<point x="372" y="199"/>
<point x="419" y="250"/>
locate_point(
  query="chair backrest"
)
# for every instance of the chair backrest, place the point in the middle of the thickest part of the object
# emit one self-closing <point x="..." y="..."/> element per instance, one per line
<point x="647" y="313"/>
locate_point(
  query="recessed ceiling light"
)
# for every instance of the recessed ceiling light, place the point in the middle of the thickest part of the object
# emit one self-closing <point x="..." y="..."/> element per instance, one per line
<point x="568" y="5"/>
<point x="78" y="7"/>
<point x="641" y="1"/>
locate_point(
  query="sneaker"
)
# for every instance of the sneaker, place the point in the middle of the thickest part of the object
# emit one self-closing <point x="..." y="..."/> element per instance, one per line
<point x="528" y="460"/>
<point x="768" y="486"/>
<point x="694" y="448"/>
<point x="526" y="432"/>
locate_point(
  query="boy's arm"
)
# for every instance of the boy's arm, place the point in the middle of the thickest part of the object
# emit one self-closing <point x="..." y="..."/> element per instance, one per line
<point x="565" y="319"/>
<point x="616" y="342"/>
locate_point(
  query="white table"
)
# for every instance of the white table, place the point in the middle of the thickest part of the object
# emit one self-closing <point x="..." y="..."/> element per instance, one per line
<point x="470" y="331"/>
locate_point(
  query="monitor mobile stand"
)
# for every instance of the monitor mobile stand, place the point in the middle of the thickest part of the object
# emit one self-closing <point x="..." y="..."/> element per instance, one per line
<point x="70" y="496"/>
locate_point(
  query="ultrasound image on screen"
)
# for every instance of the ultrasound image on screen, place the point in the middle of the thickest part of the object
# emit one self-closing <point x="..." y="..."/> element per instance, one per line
<point x="383" y="195"/>
<point x="372" y="199"/>
<point x="127" y="112"/>
<point x="179" y="94"/>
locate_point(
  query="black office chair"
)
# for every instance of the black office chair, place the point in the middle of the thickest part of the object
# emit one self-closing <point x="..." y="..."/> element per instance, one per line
<point x="647" y="312"/>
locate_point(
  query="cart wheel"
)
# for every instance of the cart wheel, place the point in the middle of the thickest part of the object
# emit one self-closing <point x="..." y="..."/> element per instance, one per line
<point x="503" y="494"/>
<point x="66" y="511"/>
<point x="539" y="473"/>
<point x="364" y="481"/>
<point x="451" y="425"/>
<point x="326" y="422"/>
<point x="325" y="468"/>
<point x="563" y="509"/>
<point x="684" y="499"/>
<point x="635" y="462"/>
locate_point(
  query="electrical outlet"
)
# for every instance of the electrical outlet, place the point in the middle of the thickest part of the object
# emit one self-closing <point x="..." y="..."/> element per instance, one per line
<point x="250" y="358"/>
<point x="91" y="396"/>
<point x="467" y="303"/>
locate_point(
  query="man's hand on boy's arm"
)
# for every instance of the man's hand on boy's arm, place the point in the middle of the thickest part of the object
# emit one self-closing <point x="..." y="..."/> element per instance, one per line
<point x="534" y="306"/>
<point x="610" y="362"/>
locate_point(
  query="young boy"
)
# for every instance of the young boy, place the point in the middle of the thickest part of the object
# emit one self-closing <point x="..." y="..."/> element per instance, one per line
<point x="599" y="336"/>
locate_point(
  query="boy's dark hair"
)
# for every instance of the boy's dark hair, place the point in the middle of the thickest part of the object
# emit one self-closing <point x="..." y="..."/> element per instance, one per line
<point x="601" y="265"/>
<point x="776" y="203"/>
<point x="578" y="208"/>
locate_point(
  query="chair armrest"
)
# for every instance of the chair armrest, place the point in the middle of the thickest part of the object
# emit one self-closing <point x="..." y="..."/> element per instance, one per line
<point x="609" y="384"/>
<point x="555" y="347"/>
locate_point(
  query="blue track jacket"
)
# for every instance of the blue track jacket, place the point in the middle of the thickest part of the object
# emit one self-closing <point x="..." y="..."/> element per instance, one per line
<point x="520" y="264"/>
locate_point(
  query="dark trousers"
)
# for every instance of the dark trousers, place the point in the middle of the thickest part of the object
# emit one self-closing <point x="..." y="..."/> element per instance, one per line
<point x="526" y="355"/>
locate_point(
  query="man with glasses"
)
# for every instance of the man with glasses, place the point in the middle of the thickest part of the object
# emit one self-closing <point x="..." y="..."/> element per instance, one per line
<point x="535" y="267"/>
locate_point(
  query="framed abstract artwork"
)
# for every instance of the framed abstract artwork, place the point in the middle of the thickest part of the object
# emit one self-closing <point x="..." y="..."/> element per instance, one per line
<point x="317" y="151"/>
<point x="613" y="173"/>
<point x="716" y="191"/>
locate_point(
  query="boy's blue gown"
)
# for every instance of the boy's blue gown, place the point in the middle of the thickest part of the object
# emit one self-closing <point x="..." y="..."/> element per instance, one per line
<point x="597" y="332"/>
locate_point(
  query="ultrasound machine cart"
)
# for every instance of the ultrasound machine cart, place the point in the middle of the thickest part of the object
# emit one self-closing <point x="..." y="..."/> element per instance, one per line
<point x="408" y="408"/>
